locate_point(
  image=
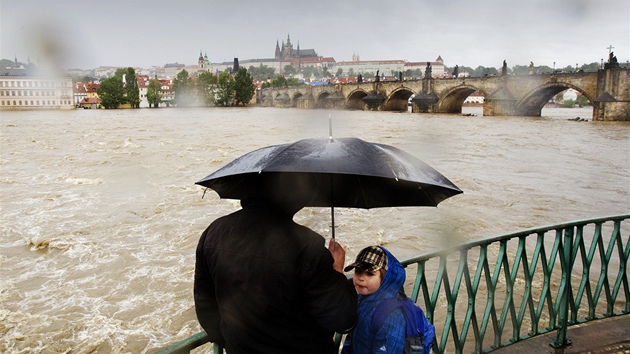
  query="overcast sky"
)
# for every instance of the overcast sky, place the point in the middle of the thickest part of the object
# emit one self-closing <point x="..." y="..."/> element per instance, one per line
<point x="88" y="34"/>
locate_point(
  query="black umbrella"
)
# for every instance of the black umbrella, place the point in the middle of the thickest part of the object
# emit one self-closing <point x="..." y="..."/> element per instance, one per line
<point x="350" y="173"/>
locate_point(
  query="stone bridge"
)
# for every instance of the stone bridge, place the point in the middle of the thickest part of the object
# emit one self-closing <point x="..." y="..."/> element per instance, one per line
<point x="521" y="95"/>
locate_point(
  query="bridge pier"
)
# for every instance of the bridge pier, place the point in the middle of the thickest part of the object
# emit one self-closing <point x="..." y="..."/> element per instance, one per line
<point x="499" y="103"/>
<point x="613" y="95"/>
<point x="426" y="100"/>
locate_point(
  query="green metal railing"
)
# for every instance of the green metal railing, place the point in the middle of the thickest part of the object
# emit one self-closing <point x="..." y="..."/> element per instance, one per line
<point x="494" y="290"/>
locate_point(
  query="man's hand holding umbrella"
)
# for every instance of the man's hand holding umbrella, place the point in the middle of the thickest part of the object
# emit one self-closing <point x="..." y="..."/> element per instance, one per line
<point x="339" y="255"/>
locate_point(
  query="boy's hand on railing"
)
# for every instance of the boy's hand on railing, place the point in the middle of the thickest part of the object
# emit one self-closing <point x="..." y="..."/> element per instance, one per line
<point x="338" y="254"/>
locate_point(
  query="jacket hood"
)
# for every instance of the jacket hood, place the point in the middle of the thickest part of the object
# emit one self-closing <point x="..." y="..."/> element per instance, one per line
<point x="392" y="283"/>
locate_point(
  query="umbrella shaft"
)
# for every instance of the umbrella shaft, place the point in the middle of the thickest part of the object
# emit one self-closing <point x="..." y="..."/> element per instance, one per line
<point x="332" y="216"/>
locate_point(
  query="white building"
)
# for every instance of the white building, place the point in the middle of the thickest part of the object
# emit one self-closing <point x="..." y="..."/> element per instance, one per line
<point x="570" y="94"/>
<point x="476" y="97"/>
<point x="389" y="68"/>
<point x="19" y="90"/>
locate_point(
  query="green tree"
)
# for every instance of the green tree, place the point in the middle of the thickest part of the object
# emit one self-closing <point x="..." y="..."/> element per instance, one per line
<point x="206" y="86"/>
<point x="154" y="97"/>
<point x="111" y="91"/>
<point x="339" y="72"/>
<point x="131" y="88"/>
<point x="312" y="71"/>
<point x="183" y="88"/>
<point x="225" y="90"/>
<point x="590" y="67"/>
<point x="262" y="72"/>
<point x="244" y="87"/>
<point x="582" y="101"/>
<point x="292" y="82"/>
<point x="279" y="81"/>
<point x="289" y="70"/>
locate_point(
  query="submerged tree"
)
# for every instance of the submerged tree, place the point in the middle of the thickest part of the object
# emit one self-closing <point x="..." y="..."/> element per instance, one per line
<point x="183" y="87"/>
<point x="206" y="87"/>
<point x="154" y="96"/>
<point x="224" y="93"/>
<point x="111" y="91"/>
<point x="131" y="88"/>
<point x="244" y="88"/>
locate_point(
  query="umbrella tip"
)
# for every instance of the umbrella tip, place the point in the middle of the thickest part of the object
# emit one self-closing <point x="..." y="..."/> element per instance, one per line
<point x="330" y="127"/>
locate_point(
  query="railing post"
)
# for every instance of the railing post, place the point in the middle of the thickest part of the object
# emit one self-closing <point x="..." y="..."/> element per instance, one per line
<point x="565" y="289"/>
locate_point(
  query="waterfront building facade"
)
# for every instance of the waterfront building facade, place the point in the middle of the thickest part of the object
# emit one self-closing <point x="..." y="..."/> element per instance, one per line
<point x="23" y="89"/>
<point x="79" y="93"/>
<point x="387" y="68"/>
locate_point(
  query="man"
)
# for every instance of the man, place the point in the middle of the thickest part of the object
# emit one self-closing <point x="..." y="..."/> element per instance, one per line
<point x="264" y="284"/>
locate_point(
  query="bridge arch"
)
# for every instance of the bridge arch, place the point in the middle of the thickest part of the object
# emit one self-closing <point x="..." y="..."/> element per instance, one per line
<point x="398" y="100"/>
<point x="320" y="100"/>
<point x="294" y="99"/>
<point x="452" y="100"/>
<point x="533" y="102"/>
<point x="355" y="99"/>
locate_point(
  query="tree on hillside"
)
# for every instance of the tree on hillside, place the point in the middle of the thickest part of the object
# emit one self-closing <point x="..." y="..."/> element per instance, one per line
<point x="154" y="97"/>
<point x="131" y="88"/>
<point x="289" y="70"/>
<point x="112" y="92"/>
<point x="183" y="88"/>
<point x="279" y="81"/>
<point x="262" y="72"/>
<point x="292" y="82"/>
<point x="225" y="90"/>
<point x="6" y="63"/>
<point x="206" y="86"/>
<point x="244" y="87"/>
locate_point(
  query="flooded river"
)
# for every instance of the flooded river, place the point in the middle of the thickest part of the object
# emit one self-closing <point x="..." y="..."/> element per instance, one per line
<point x="100" y="215"/>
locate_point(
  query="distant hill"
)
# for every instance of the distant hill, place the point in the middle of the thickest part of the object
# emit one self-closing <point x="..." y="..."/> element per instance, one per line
<point x="6" y="63"/>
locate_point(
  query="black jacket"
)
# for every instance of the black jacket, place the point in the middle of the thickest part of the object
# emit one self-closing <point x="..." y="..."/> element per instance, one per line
<point x="264" y="284"/>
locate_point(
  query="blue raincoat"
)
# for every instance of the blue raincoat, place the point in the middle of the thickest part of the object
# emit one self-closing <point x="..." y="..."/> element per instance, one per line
<point x="390" y="338"/>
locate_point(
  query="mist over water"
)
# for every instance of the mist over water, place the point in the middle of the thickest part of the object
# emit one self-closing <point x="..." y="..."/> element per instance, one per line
<point x="101" y="216"/>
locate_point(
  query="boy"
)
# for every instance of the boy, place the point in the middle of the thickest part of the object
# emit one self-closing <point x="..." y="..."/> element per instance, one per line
<point x="378" y="275"/>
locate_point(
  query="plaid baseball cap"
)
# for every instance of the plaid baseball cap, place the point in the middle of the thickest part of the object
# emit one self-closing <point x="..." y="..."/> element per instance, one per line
<point x="370" y="259"/>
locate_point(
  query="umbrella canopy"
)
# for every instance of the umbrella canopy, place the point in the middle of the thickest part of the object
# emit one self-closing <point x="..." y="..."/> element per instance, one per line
<point x="349" y="172"/>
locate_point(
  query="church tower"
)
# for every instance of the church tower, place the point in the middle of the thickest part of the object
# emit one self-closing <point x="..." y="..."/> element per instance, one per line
<point x="287" y="51"/>
<point x="278" y="53"/>
<point x="201" y="62"/>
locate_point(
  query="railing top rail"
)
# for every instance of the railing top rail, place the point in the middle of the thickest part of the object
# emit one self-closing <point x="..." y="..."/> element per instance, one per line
<point x="524" y="232"/>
